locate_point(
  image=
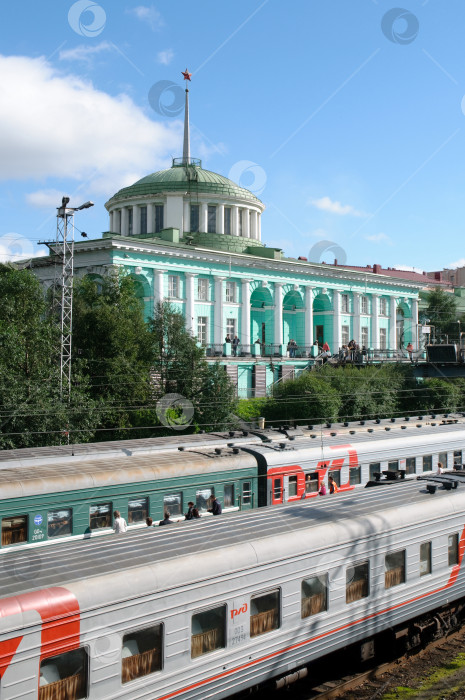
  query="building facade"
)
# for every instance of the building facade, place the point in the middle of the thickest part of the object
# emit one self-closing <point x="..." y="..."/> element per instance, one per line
<point x="194" y="238"/>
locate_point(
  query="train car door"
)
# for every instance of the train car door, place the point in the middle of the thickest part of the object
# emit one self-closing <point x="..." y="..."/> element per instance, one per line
<point x="277" y="489"/>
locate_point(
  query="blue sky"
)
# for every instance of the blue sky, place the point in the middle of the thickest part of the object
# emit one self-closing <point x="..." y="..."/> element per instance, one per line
<point x="346" y="118"/>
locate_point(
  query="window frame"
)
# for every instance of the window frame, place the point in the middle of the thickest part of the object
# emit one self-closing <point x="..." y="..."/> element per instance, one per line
<point x="202" y="330"/>
<point x="202" y="289"/>
<point x="65" y="534"/>
<point x="173" y="286"/>
<point x="230" y="292"/>
<point x="231" y="485"/>
<point x="167" y="507"/>
<point x="455" y="551"/>
<point x="383" y="338"/>
<point x="133" y="499"/>
<point x="159" y="215"/>
<point x="135" y="630"/>
<point x="86" y="680"/>
<point x="263" y="594"/>
<point x="354" y="565"/>
<point x="345" y="306"/>
<point x="364" y="306"/>
<point x="143" y="219"/>
<point x="26" y="529"/>
<point x="427" y="460"/>
<point x="295" y="483"/>
<point x="110" y="511"/>
<point x="357" y="471"/>
<point x="325" y="588"/>
<point x="429" y="560"/>
<point x="212" y="213"/>
<point x="194" y="219"/>
<point x="388" y="571"/>
<point x="408" y="465"/>
<point x="198" y="505"/>
<point x="202" y="611"/>
<point x="246" y="494"/>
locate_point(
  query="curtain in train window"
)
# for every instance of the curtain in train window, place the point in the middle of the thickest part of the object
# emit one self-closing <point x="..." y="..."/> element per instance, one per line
<point x="59" y="522"/>
<point x="142" y="653"/>
<point x="228" y="498"/>
<point x="314" y="595"/>
<point x="453" y="550"/>
<point x="410" y="465"/>
<point x="64" y="677"/>
<point x="357" y="582"/>
<point x="264" y="613"/>
<point x="394" y="569"/>
<point x="208" y="631"/>
<point x="138" y="510"/>
<point x="14" y="530"/>
<point x="425" y="558"/>
<point x="100" y="516"/>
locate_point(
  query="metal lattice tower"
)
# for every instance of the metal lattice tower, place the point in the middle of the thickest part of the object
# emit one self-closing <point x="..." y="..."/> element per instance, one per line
<point x="64" y="285"/>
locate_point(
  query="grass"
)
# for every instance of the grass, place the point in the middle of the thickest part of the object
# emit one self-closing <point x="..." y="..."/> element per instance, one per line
<point x="440" y="683"/>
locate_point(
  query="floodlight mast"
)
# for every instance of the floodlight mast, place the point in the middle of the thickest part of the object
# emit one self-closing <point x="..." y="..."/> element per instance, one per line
<point x="64" y="282"/>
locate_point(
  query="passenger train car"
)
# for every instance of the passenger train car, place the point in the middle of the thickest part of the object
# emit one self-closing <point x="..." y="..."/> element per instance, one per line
<point x="209" y="608"/>
<point x="71" y="491"/>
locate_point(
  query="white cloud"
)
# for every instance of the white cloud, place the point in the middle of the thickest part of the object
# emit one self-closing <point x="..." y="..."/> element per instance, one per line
<point x="14" y="247"/>
<point x="327" y="204"/>
<point x="408" y="268"/>
<point x="457" y="263"/>
<point x="44" y="199"/>
<point x="57" y="125"/>
<point x="379" y="238"/>
<point x="165" y="57"/>
<point x="149" y="15"/>
<point x="84" y="52"/>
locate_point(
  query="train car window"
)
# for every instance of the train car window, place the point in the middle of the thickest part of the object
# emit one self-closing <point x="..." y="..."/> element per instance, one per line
<point x="425" y="558"/>
<point x="277" y="489"/>
<point x="246" y="492"/>
<point x="14" y="530"/>
<point x="357" y="581"/>
<point x="428" y="463"/>
<point x="453" y="550"/>
<point x="208" y="631"/>
<point x="355" y="475"/>
<point x="138" y="510"/>
<point x="64" y="676"/>
<point x="314" y="595"/>
<point x="410" y="465"/>
<point x="293" y="486"/>
<point x="172" y="502"/>
<point x="60" y="522"/>
<point x="100" y="516"/>
<point x="228" y="498"/>
<point x="142" y="653"/>
<point x="203" y="499"/>
<point x="394" y="569"/>
<point x="264" y="613"/>
<point x="442" y="457"/>
<point x="375" y="468"/>
<point x="311" y="482"/>
<point x="457" y="458"/>
<point x="393" y="466"/>
<point x="336" y="474"/>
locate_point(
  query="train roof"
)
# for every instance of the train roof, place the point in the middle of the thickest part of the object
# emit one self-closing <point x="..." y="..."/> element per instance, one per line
<point x="96" y="473"/>
<point x="124" y="448"/>
<point x="105" y="570"/>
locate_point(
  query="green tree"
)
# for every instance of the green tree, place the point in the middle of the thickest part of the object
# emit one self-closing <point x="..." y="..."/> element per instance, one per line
<point x="442" y="312"/>
<point x="32" y="411"/>
<point x="306" y="399"/>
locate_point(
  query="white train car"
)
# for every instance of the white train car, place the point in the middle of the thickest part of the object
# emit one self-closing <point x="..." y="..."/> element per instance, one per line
<point x="206" y="609"/>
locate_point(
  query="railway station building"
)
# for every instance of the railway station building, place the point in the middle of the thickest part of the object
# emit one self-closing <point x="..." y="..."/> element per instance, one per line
<point x="193" y="238"/>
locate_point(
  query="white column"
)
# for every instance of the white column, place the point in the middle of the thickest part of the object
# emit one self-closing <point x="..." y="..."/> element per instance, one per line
<point x="414" y="321"/>
<point x="124" y="221"/>
<point x="374" y="321"/>
<point x="245" y="223"/>
<point x="185" y="218"/>
<point x="235" y="220"/>
<point x="278" y="312"/>
<point x="220" y="218"/>
<point x="259" y="227"/>
<point x="136" y="220"/>
<point x="158" y="294"/>
<point x="203" y="227"/>
<point x="218" y="331"/>
<point x="190" y="301"/>
<point x="308" y="316"/>
<point x="150" y="218"/>
<point x="253" y="225"/>
<point x="356" y="319"/>
<point x="117" y="220"/>
<point x="337" y="340"/>
<point x="245" y="321"/>
<point x="393" y="323"/>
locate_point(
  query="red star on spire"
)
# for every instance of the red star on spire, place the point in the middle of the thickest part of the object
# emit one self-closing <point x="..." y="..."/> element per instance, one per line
<point x="186" y="74"/>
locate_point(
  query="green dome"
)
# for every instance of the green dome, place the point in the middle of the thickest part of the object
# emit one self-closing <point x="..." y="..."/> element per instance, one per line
<point x="182" y="178"/>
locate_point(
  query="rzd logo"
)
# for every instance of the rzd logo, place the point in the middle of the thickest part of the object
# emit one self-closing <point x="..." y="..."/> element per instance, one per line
<point x="235" y="612"/>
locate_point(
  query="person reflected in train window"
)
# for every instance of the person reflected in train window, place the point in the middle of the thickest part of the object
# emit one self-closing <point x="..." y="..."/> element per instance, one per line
<point x="195" y="513"/>
<point x="322" y="491"/>
<point x="440" y="468"/>
<point x="119" y="524"/>
<point x="216" y="508"/>
<point x="332" y="485"/>
<point x="149" y="522"/>
<point x="166" y="520"/>
<point x="190" y="511"/>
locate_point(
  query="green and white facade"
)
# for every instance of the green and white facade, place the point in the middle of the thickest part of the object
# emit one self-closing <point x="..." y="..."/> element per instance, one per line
<point x="194" y="238"/>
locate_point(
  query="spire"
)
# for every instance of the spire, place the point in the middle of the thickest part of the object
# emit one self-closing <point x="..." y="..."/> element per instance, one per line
<point x="186" y="155"/>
